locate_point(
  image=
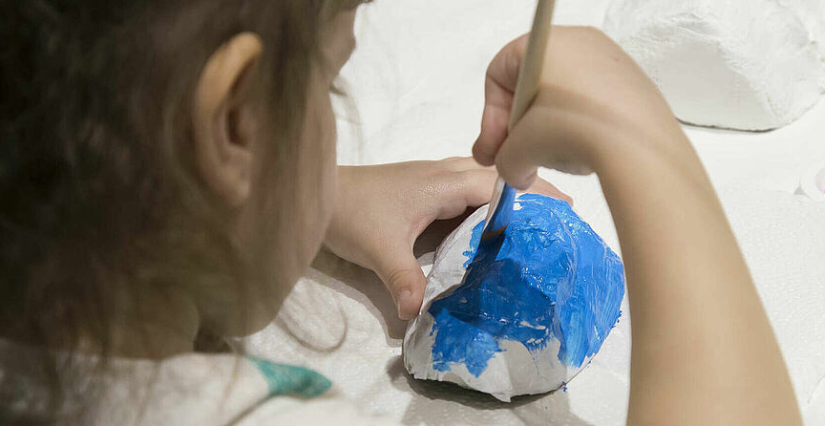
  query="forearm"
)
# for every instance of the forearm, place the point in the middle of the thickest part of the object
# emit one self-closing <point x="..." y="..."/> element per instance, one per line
<point x="703" y="349"/>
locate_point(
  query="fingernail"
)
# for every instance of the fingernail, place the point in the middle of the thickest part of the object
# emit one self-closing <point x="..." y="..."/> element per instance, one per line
<point x="403" y="297"/>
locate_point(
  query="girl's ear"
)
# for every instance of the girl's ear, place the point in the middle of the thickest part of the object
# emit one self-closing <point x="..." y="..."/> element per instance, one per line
<point x="223" y="118"/>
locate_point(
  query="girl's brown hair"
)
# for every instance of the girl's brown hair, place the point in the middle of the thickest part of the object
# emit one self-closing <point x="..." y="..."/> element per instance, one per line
<point x="97" y="188"/>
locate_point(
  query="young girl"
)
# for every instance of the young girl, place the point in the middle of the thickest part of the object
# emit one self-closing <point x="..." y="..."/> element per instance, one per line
<point x="167" y="173"/>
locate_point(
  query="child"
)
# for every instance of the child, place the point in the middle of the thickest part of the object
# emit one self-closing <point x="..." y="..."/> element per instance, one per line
<point x="168" y="172"/>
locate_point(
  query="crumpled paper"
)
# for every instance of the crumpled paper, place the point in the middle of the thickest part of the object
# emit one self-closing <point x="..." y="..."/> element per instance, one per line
<point x="534" y="307"/>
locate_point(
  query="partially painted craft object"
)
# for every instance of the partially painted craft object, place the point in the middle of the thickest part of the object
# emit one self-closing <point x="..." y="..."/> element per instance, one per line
<point x="736" y="64"/>
<point x="534" y="308"/>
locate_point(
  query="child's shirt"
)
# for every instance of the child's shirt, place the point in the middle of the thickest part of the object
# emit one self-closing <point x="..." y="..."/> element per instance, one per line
<point x="190" y="389"/>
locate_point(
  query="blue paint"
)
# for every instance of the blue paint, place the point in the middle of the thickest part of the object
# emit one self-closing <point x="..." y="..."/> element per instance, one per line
<point x="548" y="277"/>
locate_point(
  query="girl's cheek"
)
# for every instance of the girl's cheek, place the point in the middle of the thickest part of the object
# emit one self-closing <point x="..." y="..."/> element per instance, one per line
<point x="321" y="168"/>
<point x="330" y="165"/>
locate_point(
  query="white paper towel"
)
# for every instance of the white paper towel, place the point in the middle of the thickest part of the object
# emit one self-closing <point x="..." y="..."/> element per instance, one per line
<point x="782" y="237"/>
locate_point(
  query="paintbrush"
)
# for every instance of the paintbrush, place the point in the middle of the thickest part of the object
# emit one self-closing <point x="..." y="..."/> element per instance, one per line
<point x="504" y="195"/>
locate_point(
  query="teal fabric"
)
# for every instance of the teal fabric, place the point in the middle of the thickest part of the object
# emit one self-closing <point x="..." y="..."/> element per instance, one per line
<point x="291" y="380"/>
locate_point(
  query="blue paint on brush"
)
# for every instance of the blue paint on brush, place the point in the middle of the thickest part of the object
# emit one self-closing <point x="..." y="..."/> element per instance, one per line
<point x="548" y="277"/>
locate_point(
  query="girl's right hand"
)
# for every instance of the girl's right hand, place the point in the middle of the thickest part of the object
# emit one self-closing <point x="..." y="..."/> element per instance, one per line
<point x="593" y="100"/>
<point x="696" y="312"/>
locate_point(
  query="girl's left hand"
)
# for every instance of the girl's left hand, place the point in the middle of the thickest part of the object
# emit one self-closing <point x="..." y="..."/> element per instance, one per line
<point x="381" y="210"/>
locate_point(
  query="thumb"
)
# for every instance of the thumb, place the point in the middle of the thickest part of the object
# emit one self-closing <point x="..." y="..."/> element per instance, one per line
<point x="405" y="280"/>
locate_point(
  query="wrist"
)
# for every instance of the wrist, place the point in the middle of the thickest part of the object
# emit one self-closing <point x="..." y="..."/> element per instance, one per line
<point x="637" y="152"/>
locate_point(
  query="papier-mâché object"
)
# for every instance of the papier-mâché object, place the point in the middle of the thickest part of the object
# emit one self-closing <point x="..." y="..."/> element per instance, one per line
<point x="535" y="306"/>
<point x="735" y="64"/>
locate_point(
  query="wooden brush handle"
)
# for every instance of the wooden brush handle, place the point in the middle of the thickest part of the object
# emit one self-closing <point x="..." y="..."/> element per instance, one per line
<point x="530" y="72"/>
<point x="501" y="204"/>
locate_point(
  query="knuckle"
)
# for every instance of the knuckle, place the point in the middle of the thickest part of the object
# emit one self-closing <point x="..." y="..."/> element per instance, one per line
<point x="467" y="183"/>
<point x="477" y="176"/>
<point x="465" y="177"/>
<point x="400" y="279"/>
<point x="484" y="150"/>
<point x="512" y="65"/>
<point x="595" y="33"/>
<point x="454" y="164"/>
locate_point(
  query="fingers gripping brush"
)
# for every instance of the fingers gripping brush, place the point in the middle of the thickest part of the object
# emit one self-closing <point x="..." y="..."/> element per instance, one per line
<point x="504" y="195"/>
